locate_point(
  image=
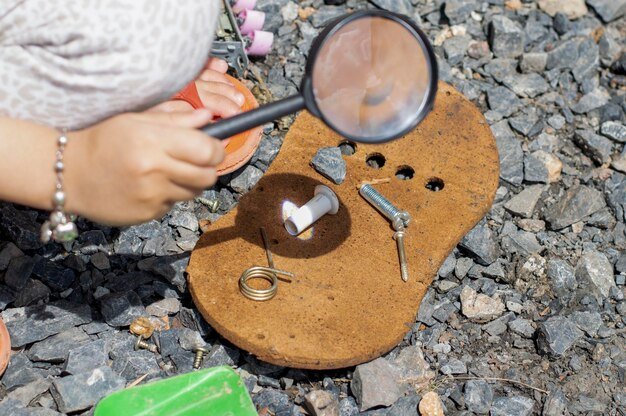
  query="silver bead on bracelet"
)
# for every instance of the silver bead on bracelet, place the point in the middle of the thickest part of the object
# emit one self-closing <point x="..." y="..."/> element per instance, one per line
<point x="60" y="226"/>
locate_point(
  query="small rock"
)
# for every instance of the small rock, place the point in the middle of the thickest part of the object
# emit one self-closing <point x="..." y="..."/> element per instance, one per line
<point x="19" y="372"/>
<point x="556" y="335"/>
<point x="221" y="355"/>
<point x="614" y="131"/>
<point x="561" y="23"/>
<point x="573" y="9"/>
<point x="430" y="405"/>
<point x="503" y="100"/>
<point x="555" y="404"/>
<point x="478" y="50"/>
<point x="541" y="166"/>
<point x="9" y="252"/>
<point x="120" y="309"/>
<point x="190" y="339"/>
<point x="184" y="219"/>
<point x="609" y="10"/>
<point x="597" y="147"/>
<point x="321" y="403"/>
<point x="85" y="357"/>
<point x="595" y="99"/>
<point x="527" y="85"/>
<point x="164" y="307"/>
<point x="523" y="204"/>
<point x="100" y="261"/>
<point x="19" y="271"/>
<point x="246" y="179"/>
<point x="348" y="407"/>
<point x="478" y="307"/>
<point x="34" y="323"/>
<point x="562" y="277"/>
<point x="330" y="164"/>
<point x="578" y="202"/>
<point x="522" y="327"/>
<point x="478" y="396"/>
<point x="80" y="392"/>
<point x="374" y="384"/>
<point x="413" y="369"/>
<point x="506" y="37"/>
<point x="133" y="364"/>
<point x="530" y="225"/>
<point x="27" y="393"/>
<point x="510" y="153"/>
<point x="458" y="11"/>
<point x="289" y="12"/>
<point x="588" y="322"/>
<point x="453" y="366"/>
<point x="33" y="292"/>
<point x="619" y="162"/>
<point x="512" y="406"/>
<point x="534" y="62"/>
<point x="276" y="401"/>
<point x="55" y="348"/>
<point x="596" y="271"/>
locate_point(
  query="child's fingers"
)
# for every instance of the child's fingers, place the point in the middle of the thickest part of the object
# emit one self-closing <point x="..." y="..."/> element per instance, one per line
<point x="210" y="75"/>
<point x="217" y="64"/>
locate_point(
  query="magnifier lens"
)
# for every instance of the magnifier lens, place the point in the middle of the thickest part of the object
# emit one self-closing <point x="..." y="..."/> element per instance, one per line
<point x="371" y="79"/>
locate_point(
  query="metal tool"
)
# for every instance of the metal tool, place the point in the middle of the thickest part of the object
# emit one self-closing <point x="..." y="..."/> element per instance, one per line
<point x="266" y="273"/>
<point x="143" y="345"/>
<point x="399" y="221"/>
<point x="200" y="353"/>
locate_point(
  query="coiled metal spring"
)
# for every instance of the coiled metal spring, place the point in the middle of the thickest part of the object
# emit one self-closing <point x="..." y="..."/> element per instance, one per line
<point x="268" y="274"/>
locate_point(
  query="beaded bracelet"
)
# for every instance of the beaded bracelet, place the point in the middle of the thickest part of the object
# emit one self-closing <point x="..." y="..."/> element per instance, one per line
<point x="60" y="227"/>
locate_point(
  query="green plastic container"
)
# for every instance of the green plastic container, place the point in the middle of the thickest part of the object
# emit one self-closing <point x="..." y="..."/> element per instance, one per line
<point x="216" y="391"/>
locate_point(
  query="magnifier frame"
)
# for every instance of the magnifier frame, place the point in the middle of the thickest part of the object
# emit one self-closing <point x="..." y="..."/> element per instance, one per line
<point x="306" y="87"/>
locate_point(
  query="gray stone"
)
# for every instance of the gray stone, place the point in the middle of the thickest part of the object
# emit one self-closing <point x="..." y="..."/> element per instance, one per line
<point x="527" y="85"/>
<point x="87" y="356"/>
<point x="455" y="48"/>
<point x="503" y="100"/>
<point x="190" y="339"/>
<point x="523" y="327"/>
<point x="171" y="268"/>
<point x="19" y="372"/>
<point x="221" y="355"/>
<point x="134" y="364"/>
<point x="413" y="370"/>
<point x="120" y="309"/>
<point x="246" y="179"/>
<point x="556" y="335"/>
<point x="481" y="243"/>
<point x="458" y="11"/>
<point x="55" y="348"/>
<point x="506" y="37"/>
<point x="20" y="227"/>
<point x="453" y="366"/>
<point x="555" y="404"/>
<point x="54" y="275"/>
<point x="500" y="68"/>
<point x="578" y="202"/>
<point x="100" y="261"/>
<point x="562" y="277"/>
<point x="34" y="323"/>
<point x="30" y="391"/>
<point x="82" y="391"/>
<point x="268" y="150"/>
<point x="479" y="307"/>
<point x="510" y="153"/>
<point x="33" y="292"/>
<point x="542" y="167"/>
<point x="564" y="56"/>
<point x="374" y="384"/>
<point x="573" y="9"/>
<point x="521" y="242"/>
<point x="275" y="401"/>
<point x="614" y="130"/>
<point x="590" y="101"/>
<point x="588" y="322"/>
<point x="523" y="204"/>
<point x="478" y="396"/>
<point x="609" y="10"/>
<point x="588" y="62"/>
<point x="18" y="272"/>
<point x="12" y="407"/>
<point x="534" y="62"/>
<point x="527" y="123"/>
<point x="597" y="147"/>
<point x="512" y="406"/>
<point x="321" y="403"/>
<point x="596" y="271"/>
<point x="329" y="162"/>
<point x="348" y="407"/>
<point x="164" y="307"/>
<point x="557" y="122"/>
<point x="184" y="219"/>
<point x="448" y="265"/>
<point x="8" y="252"/>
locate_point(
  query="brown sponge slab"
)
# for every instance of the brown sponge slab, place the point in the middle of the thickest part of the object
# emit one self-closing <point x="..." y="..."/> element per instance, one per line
<point x="347" y="303"/>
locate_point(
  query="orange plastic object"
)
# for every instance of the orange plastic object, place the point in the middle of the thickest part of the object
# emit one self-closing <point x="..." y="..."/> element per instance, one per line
<point x="241" y="147"/>
<point x="5" y="347"/>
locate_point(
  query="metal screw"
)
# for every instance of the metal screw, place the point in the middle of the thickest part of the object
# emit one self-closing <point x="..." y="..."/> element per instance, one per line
<point x="399" y="219"/>
<point x="143" y="345"/>
<point x="200" y="353"/>
<point x="404" y="268"/>
<point x="212" y="204"/>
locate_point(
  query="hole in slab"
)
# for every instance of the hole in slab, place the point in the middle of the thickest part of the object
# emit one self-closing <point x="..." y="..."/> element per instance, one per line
<point x="274" y="241"/>
<point x="347" y="148"/>
<point x="405" y="173"/>
<point x="435" y="184"/>
<point x="331" y="298"/>
<point x="292" y="336"/>
<point x="260" y="336"/>
<point x="375" y="160"/>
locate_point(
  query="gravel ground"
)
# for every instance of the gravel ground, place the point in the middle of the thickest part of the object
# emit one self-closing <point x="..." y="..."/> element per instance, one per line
<point x="526" y="316"/>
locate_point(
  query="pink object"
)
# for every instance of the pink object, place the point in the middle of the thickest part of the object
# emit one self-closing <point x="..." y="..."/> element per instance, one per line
<point x="260" y="43"/>
<point x="241" y="5"/>
<point x="252" y="20"/>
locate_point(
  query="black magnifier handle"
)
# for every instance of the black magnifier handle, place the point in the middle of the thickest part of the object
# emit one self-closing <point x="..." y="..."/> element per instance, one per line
<point x="229" y="127"/>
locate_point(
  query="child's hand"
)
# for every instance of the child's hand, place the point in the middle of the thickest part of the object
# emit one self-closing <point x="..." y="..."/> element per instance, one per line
<point x="134" y="167"/>
<point x="216" y="92"/>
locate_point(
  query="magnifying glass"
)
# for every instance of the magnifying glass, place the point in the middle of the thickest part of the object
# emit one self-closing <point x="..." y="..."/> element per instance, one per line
<point x="371" y="76"/>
